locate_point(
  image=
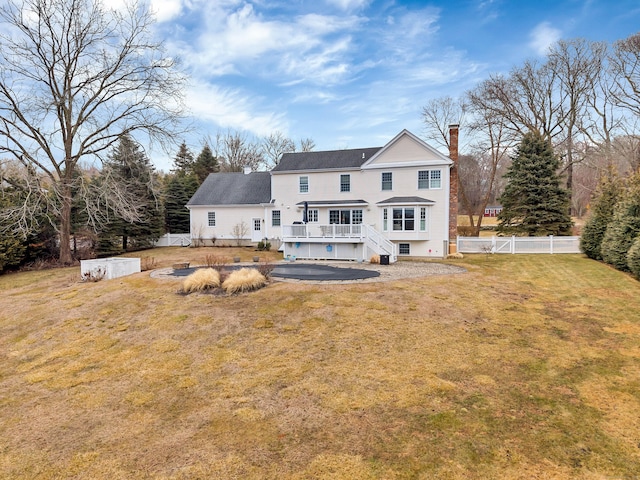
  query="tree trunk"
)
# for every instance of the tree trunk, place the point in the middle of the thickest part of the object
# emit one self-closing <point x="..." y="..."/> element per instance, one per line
<point x="65" y="256"/>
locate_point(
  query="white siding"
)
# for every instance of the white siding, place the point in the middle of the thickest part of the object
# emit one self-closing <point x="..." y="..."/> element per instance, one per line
<point x="226" y="219"/>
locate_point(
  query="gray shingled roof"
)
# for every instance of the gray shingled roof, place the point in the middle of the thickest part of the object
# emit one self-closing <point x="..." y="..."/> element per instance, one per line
<point x="233" y="189"/>
<point x="332" y="159"/>
<point x="405" y="200"/>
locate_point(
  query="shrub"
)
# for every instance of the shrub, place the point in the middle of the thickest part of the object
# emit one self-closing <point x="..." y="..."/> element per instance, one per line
<point x="623" y="228"/>
<point x="466" y="231"/>
<point x="217" y="262"/>
<point x="265" y="268"/>
<point x="374" y="259"/>
<point x="244" y="280"/>
<point x="264" y="246"/>
<point x="12" y="252"/>
<point x="633" y="258"/>
<point x="601" y="215"/>
<point x="201" y="280"/>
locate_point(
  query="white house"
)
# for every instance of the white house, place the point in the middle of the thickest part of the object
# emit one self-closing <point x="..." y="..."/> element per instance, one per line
<point x="395" y="200"/>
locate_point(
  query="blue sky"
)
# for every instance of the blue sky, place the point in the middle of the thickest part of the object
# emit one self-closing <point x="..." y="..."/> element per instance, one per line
<point x="354" y="73"/>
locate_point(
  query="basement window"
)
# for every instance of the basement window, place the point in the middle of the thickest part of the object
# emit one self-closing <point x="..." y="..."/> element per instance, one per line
<point x="404" y="249"/>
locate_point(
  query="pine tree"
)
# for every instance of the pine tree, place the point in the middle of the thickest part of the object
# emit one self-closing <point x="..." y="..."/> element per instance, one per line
<point x="607" y="196"/>
<point x="205" y="164"/>
<point x="183" y="162"/>
<point x="178" y="190"/>
<point x="533" y="202"/>
<point x="132" y="168"/>
<point x="633" y="258"/>
<point x="179" y="187"/>
<point x="624" y="227"/>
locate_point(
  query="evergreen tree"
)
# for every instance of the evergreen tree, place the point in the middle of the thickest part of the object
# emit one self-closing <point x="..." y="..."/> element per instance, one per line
<point x="533" y="202"/>
<point x="205" y="164"/>
<point x="183" y="162"/>
<point x="178" y="190"/>
<point x="624" y="227"/>
<point x="134" y="171"/>
<point x="179" y="187"/>
<point x="607" y="196"/>
<point x="633" y="258"/>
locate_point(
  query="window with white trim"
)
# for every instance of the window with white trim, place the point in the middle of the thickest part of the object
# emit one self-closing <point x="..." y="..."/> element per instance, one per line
<point x="211" y="219"/>
<point x="423" y="219"/>
<point x="345" y="183"/>
<point x="404" y="249"/>
<point x="304" y="184"/>
<point x="403" y="219"/>
<point x="345" y="217"/>
<point x="385" y="219"/>
<point x="387" y="180"/>
<point x="429" y="179"/>
<point x="275" y="218"/>
<point x="312" y="215"/>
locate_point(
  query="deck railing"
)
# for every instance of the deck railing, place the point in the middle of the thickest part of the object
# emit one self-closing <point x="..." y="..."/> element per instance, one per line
<point x="311" y="230"/>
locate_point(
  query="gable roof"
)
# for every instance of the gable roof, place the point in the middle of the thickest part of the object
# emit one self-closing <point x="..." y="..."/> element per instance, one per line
<point x="332" y="159"/>
<point x="370" y="163"/>
<point x="233" y="189"/>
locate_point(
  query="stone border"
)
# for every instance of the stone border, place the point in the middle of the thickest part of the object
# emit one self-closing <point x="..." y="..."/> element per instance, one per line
<point x="395" y="271"/>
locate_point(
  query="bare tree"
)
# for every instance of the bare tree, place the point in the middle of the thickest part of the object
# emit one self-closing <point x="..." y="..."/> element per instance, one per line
<point x="577" y="65"/>
<point x="74" y="77"/>
<point x="625" y="64"/>
<point x="237" y="151"/>
<point x="438" y="114"/>
<point x="274" y="146"/>
<point x="306" y="145"/>
<point x="487" y="139"/>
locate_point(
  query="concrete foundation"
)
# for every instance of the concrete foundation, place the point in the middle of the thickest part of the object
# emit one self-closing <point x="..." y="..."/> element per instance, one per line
<point x="109" y="268"/>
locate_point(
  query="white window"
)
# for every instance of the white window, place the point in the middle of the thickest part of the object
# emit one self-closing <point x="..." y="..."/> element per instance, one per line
<point x="423" y="219"/>
<point x="404" y="249"/>
<point x="304" y="184"/>
<point x="403" y="219"/>
<point x="312" y="215"/>
<point x="345" y="217"/>
<point x="275" y="218"/>
<point x="385" y="220"/>
<point x="387" y="181"/>
<point x="429" y="179"/>
<point x="211" y="217"/>
<point x="345" y="183"/>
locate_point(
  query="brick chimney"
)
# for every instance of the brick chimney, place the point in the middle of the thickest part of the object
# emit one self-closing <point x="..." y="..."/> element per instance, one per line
<point x="453" y="187"/>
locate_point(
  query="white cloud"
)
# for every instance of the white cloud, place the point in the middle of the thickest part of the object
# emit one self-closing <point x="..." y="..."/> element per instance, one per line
<point x="348" y="5"/>
<point x="239" y="41"/>
<point x="229" y="108"/>
<point x="543" y="36"/>
<point x="166" y="10"/>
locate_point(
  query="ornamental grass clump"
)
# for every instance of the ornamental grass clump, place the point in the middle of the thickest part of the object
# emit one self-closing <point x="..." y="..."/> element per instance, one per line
<point x="244" y="280"/>
<point x="201" y="280"/>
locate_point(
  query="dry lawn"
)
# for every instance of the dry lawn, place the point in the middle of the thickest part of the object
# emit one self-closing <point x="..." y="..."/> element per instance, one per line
<point x="524" y="367"/>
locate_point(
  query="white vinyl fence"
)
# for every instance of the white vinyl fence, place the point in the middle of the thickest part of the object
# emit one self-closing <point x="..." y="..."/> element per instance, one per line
<point x="174" y="240"/>
<point x="514" y="245"/>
